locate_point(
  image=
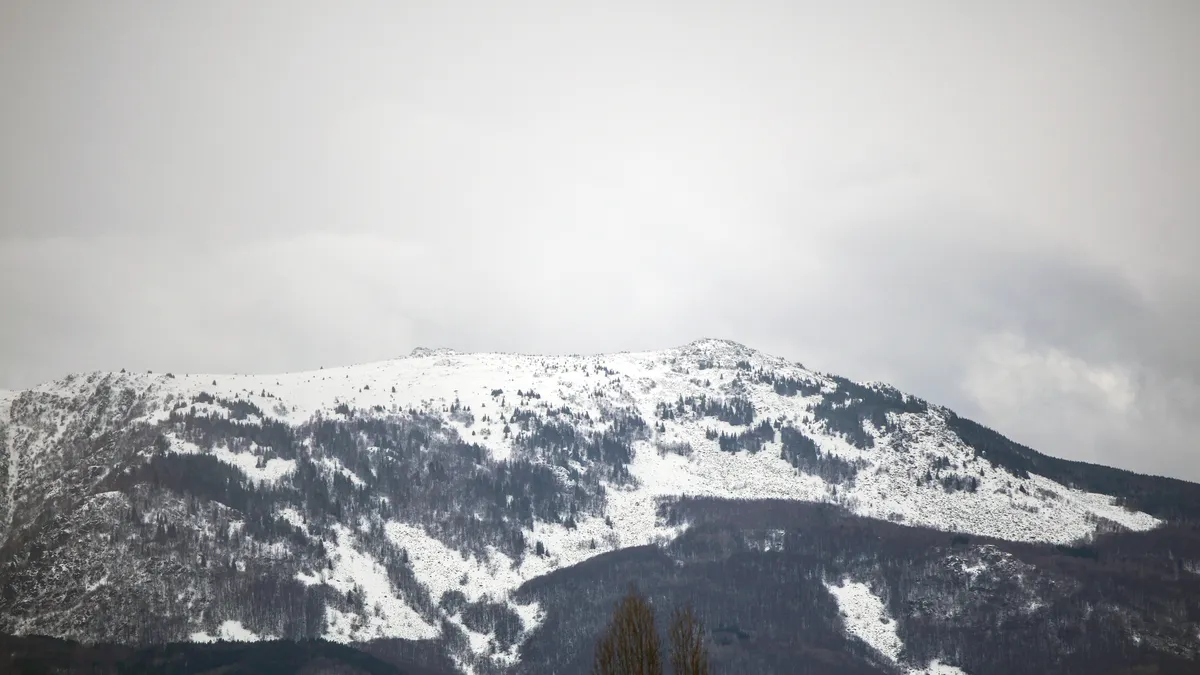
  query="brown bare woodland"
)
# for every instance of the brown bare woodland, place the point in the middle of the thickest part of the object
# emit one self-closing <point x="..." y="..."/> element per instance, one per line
<point x="688" y="653"/>
<point x="630" y="644"/>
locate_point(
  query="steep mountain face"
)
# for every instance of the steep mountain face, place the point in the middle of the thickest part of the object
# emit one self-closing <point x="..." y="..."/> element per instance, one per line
<point x="480" y="512"/>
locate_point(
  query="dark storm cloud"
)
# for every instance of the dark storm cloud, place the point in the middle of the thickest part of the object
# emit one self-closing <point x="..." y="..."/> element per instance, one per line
<point x="993" y="208"/>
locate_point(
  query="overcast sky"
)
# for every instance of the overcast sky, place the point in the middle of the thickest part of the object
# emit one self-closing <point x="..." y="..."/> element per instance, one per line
<point x="995" y="206"/>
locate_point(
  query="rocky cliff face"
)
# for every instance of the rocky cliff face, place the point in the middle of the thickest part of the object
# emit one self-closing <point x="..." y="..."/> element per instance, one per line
<point x="483" y="508"/>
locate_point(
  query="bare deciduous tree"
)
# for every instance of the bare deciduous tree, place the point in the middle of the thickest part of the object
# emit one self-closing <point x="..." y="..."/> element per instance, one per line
<point x="688" y="653"/>
<point x="630" y="644"/>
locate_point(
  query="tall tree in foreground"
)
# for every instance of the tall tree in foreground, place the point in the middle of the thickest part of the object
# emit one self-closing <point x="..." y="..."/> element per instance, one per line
<point x="630" y="643"/>
<point x="688" y="653"/>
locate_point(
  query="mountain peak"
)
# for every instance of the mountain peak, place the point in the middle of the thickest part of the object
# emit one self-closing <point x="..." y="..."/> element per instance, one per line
<point x="718" y="347"/>
<point x="420" y="352"/>
<point x="729" y="353"/>
<point x="717" y="343"/>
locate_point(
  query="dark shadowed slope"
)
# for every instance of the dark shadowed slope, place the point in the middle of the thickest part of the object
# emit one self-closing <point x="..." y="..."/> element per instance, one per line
<point x="29" y="655"/>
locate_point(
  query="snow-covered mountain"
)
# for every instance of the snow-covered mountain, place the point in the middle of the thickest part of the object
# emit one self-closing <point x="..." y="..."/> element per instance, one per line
<point x="420" y="498"/>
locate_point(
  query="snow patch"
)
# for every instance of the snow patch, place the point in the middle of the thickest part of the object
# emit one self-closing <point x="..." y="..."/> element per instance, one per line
<point x="493" y="578"/>
<point x="293" y="518"/>
<point x="866" y="618"/>
<point x="334" y="465"/>
<point x="353" y="568"/>
<point x="252" y="465"/>
<point x="230" y="631"/>
<point x="936" y="667"/>
<point x="444" y="569"/>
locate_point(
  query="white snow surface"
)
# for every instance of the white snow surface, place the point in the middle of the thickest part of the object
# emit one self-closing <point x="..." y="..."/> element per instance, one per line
<point x="333" y="465"/>
<point x="252" y="463"/>
<point x="867" y="619"/>
<point x="249" y="463"/>
<point x="230" y="631"/>
<point x="387" y="615"/>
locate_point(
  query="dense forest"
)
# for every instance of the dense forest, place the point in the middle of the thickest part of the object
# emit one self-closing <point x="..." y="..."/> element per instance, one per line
<point x="755" y="572"/>
<point x="44" y="655"/>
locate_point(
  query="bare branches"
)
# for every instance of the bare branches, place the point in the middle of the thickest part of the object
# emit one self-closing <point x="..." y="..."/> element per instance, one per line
<point x="688" y="654"/>
<point x="630" y="644"/>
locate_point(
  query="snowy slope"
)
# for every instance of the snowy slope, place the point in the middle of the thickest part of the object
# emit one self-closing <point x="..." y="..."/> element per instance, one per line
<point x="867" y="619"/>
<point x="479" y="396"/>
<point x="431" y="380"/>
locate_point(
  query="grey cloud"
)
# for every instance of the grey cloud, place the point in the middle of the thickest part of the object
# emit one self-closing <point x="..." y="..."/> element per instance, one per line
<point x="938" y="293"/>
<point x="915" y="321"/>
<point x="895" y="195"/>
